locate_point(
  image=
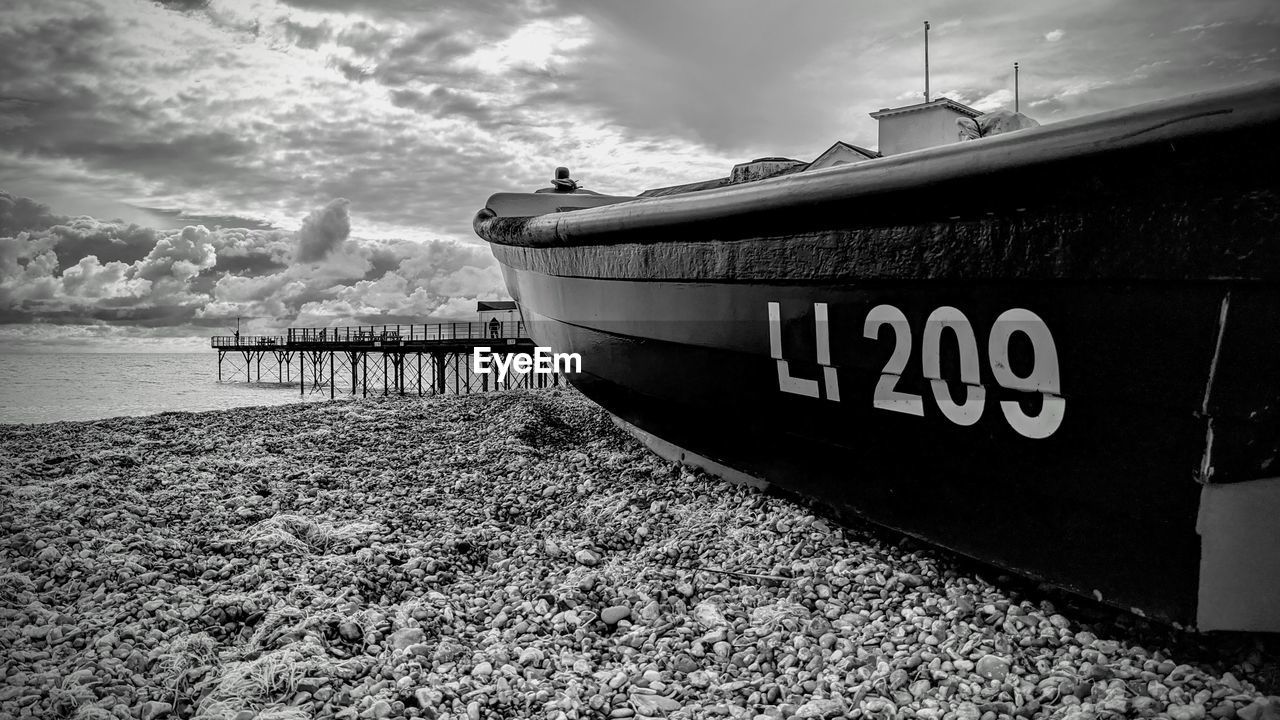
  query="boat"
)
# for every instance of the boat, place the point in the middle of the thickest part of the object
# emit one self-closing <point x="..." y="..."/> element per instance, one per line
<point x="1055" y="350"/>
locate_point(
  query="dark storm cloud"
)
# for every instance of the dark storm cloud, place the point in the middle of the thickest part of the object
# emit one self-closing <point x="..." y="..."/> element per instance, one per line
<point x="351" y="71"/>
<point x="324" y="231"/>
<point x="426" y="56"/>
<point x="20" y="213"/>
<point x="309" y="37"/>
<point x="433" y="44"/>
<point x="443" y="102"/>
<point x="184" y="5"/>
<point x="476" y="13"/>
<point x="77" y="238"/>
<point x="73" y="102"/>
<point x="71" y="239"/>
<point x="187" y="157"/>
<point x="227" y="221"/>
<point x="58" y="44"/>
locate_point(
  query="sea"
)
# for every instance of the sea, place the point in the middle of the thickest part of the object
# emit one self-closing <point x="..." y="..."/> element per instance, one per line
<point x="42" y="388"/>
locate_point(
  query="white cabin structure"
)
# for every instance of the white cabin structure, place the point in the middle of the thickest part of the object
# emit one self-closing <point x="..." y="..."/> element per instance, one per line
<point x="923" y="125"/>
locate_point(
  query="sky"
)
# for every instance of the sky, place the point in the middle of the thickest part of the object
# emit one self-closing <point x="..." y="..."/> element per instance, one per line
<point x="167" y="167"/>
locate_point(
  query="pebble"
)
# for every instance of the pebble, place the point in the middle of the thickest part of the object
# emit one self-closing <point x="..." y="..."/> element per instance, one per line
<point x="614" y="614"/>
<point x="820" y="708"/>
<point x="1261" y="709"/>
<point x="654" y="704"/>
<point x="405" y="638"/>
<point x="155" y="709"/>
<point x="992" y="667"/>
<point x="539" y="563"/>
<point x="423" y="697"/>
<point x="350" y="631"/>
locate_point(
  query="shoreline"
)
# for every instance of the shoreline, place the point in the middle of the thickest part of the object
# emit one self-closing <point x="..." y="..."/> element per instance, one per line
<point x="513" y="554"/>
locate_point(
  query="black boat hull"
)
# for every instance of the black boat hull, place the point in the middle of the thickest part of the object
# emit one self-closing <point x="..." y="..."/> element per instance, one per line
<point x="1061" y="508"/>
<point x="1077" y="379"/>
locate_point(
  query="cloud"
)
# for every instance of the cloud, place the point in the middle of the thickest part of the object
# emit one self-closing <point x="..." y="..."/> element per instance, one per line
<point x="1200" y="26"/>
<point x="90" y="279"/>
<point x="1055" y="35"/>
<point x="76" y="238"/>
<point x="324" y="231"/>
<point x="20" y="213"/>
<point x="178" y="257"/>
<point x="182" y="283"/>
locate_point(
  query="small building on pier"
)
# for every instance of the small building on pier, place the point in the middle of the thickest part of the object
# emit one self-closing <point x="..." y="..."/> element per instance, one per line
<point x="496" y="314"/>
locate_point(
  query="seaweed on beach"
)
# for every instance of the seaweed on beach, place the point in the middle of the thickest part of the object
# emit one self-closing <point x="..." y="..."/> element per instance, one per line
<point x="304" y="534"/>
<point x="536" y="425"/>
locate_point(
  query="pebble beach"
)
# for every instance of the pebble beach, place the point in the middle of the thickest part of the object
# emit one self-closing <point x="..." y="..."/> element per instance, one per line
<point x="513" y="555"/>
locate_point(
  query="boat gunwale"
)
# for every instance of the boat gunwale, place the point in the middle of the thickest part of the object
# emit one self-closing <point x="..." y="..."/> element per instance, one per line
<point x="1165" y="121"/>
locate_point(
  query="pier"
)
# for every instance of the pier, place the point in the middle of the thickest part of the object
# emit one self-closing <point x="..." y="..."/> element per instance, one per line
<point x="429" y="359"/>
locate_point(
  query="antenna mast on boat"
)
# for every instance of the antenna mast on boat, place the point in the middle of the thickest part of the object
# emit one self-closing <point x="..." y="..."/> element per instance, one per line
<point x="1015" y="87"/>
<point x="926" y="61"/>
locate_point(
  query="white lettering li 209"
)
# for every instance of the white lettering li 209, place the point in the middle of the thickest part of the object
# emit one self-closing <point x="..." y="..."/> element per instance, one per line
<point x="945" y="321"/>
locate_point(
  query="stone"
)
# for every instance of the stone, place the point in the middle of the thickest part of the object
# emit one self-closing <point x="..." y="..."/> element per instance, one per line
<point x="653" y="704"/>
<point x="699" y="679"/>
<point x="1193" y="711"/>
<point x="380" y="709"/>
<point x="350" y="632"/>
<point x="403" y="638"/>
<point x="482" y="670"/>
<point x="614" y="614"/>
<point x="992" y="667"/>
<point x="155" y="709"/>
<point x="1261" y="709"/>
<point x="587" y="557"/>
<point x="424" y="698"/>
<point x="820" y="708"/>
<point x="650" y="612"/>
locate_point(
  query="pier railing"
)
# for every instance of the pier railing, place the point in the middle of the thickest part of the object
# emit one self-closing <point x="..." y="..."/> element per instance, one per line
<point x="378" y="334"/>
<point x="247" y="340"/>
<point x="409" y="333"/>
